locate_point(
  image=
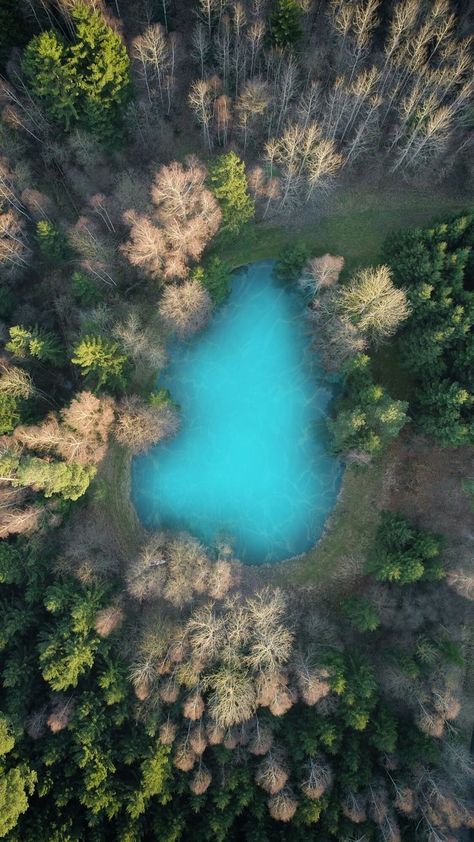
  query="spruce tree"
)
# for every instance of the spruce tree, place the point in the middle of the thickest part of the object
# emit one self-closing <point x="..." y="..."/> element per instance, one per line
<point x="285" y="26"/>
<point x="86" y="82"/>
<point x="229" y="185"/>
<point x="36" y="343"/>
<point x="51" y="78"/>
<point x="101" y="361"/>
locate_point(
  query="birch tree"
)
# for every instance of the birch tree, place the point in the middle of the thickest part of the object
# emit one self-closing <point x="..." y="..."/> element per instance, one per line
<point x="152" y="53"/>
<point x="201" y="101"/>
<point x="251" y="106"/>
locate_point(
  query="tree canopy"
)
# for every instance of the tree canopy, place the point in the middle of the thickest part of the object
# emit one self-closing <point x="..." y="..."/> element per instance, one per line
<point x="85" y="82"/>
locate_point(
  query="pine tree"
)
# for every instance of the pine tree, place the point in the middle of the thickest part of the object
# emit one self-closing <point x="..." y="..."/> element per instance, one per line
<point x="52" y="242"/>
<point x="101" y="361"/>
<point x="402" y="553"/>
<point x="361" y="613"/>
<point x="285" y="27"/>
<point x="70" y="481"/>
<point x="368" y="417"/>
<point x="35" y="342"/>
<point x="85" y="290"/>
<point x="100" y="61"/>
<point x="86" y="82"/>
<point x="50" y="77"/>
<point x="230" y="187"/>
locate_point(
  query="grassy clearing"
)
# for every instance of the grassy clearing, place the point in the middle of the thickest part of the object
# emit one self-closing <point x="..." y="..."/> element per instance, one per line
<point x="118" y="512"/>
<point x="355" y="226"/>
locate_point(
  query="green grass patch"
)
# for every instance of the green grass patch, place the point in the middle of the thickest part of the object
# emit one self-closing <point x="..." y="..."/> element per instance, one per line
<point x="115" y="503"/>
<point x="355" y="227"/>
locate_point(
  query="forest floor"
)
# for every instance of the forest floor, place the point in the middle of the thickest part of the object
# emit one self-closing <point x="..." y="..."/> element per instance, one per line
<point x="354" y="225"/>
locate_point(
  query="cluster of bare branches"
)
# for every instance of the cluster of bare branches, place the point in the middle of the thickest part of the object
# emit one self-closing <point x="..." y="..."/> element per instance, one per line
<point x="178" y="569"/>
<point x="156" y="55"/>
<point x="78" y="433"/>
<point x="232" y="657"/>
<point x="347" y="317"/>
<point x="141" y="340"/>
<point x="404" y="104"/>
<point x="185" y="217"/>
<point x="140" y="425"/>
<point x="15" y="253"/>
<point x="185" y="308"/>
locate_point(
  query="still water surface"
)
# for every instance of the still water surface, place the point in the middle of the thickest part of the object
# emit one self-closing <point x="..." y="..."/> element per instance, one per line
<point x="250" y="460"/>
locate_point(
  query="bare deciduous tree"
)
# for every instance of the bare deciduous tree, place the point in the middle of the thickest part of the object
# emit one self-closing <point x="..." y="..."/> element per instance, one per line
<point x="19" y="515"/>
<point x="147" y="574"/>
<point x="185" y="308"/>
<point x="151" y="51"/>
<point x="139" y="426"/>
<point x="60" y="716"/>
<point x="354" y="807"/>
<point x="272" y="772"/>
<point x="232" y="697"/>
<point x="251" y="106"/>
<point x="141" y="342"/>
<point x="321" y="273"/>
<point x="186" y="216"/>
<point x="108" y="620"/>
<point x="318" y="778"/>
<point x="15" y="255"/>
<point x="373" y="303"/>
<point x="200" y="781"/>
<point x="15" y="381"/>
<point x="187" y="569"/>
<point x="184" y="757"/>
<point x="282" y="806"/>
<point x="79" y="433"/>
<point x="201" y="100"/>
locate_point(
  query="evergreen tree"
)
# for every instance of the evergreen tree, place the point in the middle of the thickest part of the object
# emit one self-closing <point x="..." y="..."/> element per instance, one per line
<point x="16" y="784"/>
<point x="229" y="185"/>
<point x="86" y="82"/>
<point x="52" y="243"/>
<point x="101" y="361"/>
<point x="70" y="481"/>
<point x="285" y="26"/>
<point x="85" y="290"/>
<point x="437" y="341"/>
<point x="100" y="61"/>
<point x="291" y="262"/>
<point x="51" y="78"/>
<point x="368" y="418"/>
<point x="35" y="342"/>
<point x="361" y="613"/>
<point x="403" y="554"/>
<point x="214" y="275"/>
<point x="10" y="414"/>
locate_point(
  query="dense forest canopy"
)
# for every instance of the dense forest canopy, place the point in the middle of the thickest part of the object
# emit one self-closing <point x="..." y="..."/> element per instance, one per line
<point x="151" y="687"/>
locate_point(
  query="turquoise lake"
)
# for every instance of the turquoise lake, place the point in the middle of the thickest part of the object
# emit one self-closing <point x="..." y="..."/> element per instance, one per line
<point x="249" y="463"/>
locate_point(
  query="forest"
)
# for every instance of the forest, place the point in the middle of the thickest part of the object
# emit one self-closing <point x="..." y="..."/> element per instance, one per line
<point x="152" y="687"/>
